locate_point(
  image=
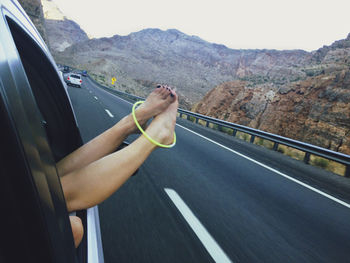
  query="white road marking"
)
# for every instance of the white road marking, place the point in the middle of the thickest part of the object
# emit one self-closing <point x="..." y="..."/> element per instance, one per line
<point x="109" y="113"/>
<point x="263" y="165"/>
<point x="271" y="169"/>
<point x="202" y="233"/>
<point x="95" y="98"/>
<point x="94" y="246"/>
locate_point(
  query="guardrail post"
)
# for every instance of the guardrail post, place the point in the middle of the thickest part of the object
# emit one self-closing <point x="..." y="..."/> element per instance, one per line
<point x="234" y="133"/>
<point x="307" y="158"/>
<point x="347" y="171"/>
<point x="275" y="146"/>
<point x="252" y="138"/>
<point x="188" y="117"/>
<point x="197" y="120"/>
<point x="180" y="114"/>
<point x="219" y="127"/>
<point x="207" y="124"/>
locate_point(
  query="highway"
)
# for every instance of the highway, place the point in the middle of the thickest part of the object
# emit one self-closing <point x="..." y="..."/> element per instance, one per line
<point x="213" y="198"/>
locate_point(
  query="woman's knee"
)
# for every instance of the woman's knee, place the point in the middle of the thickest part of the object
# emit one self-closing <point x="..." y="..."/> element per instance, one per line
<point x="77" y="229"/>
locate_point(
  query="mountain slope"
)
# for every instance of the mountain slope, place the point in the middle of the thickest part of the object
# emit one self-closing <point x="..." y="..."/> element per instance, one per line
<point x="34" y="10"/>
<point x="298" y="94"/>
<point x="314" y="110"/>
<point x="189" y="63"/>
<point x="61" y="32"/>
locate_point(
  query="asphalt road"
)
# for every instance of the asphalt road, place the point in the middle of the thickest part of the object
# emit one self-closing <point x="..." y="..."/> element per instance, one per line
<point x="251" y="213"/>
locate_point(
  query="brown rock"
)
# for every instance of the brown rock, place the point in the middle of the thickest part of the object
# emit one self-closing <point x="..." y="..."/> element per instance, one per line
<point x="316" y="110"/>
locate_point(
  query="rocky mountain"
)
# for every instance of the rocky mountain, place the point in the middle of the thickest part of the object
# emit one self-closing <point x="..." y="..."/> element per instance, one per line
<point x="189" y="63"/>
<point x="61" y="31"/>
<point x="34" y="10"/>
<point x="57" y="30"/>
<point x="314" y="110"/>
<point x="297" y="94"/>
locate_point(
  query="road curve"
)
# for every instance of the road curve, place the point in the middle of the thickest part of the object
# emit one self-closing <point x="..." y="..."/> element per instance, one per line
<point x="252" y="213"/>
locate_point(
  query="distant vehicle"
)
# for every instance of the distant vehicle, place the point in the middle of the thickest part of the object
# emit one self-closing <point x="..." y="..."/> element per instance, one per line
<point x="84" y="73"/>
<point x="66" y="69"/>
<point x="74" y="80"/>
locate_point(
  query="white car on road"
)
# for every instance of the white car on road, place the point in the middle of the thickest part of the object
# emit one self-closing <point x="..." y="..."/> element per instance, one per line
<point x="74" y="80"/>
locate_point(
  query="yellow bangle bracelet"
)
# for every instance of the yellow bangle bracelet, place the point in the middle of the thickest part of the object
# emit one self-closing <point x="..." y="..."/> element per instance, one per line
<point x="145" y="134"/>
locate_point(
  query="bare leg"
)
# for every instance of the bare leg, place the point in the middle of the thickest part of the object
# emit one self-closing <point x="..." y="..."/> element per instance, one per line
<point x="77" y="229"/>
<point x="109" y="141"/>
<point x="95" y="182"/>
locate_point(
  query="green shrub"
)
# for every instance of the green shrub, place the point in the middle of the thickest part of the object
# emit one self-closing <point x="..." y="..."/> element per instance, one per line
<point x="227" y="130"/>
<point x="281" y="150"/>
<point x="321" y="162"/>
<point x="259" y="141"/>
<point x="191" y="118"/>
<point x="246" y="137"/>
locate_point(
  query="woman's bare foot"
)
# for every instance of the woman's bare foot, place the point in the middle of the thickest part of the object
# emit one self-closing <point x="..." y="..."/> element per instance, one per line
<point x="156" y="102"/>
<point x="162" y="126"/>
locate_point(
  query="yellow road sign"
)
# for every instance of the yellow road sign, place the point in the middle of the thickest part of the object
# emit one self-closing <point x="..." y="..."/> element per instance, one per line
<point x="114" y="80"/>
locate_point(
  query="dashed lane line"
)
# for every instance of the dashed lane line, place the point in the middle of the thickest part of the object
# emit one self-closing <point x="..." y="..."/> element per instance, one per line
<point x="202" y="233"/>
<point x="109" y="113"/>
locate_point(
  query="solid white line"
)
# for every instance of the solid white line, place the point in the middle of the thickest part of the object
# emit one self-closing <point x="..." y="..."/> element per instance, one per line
<point x="109" y="113"/>
<point x="265" y="166"/>
<point x="202" y="233"/>
<point x="271" y="169"/>
<point x="94" y="251"/>
<point x="95" y="98"/>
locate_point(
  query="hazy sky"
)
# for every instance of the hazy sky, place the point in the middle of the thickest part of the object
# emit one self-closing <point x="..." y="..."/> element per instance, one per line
<point x="239" y="24"/>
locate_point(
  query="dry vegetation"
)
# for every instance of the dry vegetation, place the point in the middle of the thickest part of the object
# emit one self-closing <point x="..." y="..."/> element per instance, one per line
<point x="318" y="161"/>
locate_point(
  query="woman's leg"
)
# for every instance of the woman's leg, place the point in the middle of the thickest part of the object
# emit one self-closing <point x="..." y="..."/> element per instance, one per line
<point x="95" y="182"/>
<point x="108" y="141"/>
<point x="77" y="229"/>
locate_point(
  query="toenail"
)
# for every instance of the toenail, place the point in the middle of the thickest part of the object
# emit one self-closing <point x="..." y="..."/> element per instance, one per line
<point x="172" y="95"/>
<point x="158" y="86"/>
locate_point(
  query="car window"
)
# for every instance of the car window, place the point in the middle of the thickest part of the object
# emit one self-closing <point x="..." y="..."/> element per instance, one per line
<point x="52" y="110"/>
<point x="75" y="76"/>
<point x="51" y="98"/>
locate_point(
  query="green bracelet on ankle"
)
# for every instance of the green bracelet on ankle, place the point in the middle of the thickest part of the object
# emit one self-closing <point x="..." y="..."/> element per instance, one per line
<point x="145" y="134"/>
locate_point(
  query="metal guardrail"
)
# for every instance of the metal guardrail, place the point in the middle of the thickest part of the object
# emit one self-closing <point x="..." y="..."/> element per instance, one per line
<point x="309" y="149"/>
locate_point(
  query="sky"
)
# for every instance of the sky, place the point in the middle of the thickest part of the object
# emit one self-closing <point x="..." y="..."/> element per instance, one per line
<point x="238" y="24"/>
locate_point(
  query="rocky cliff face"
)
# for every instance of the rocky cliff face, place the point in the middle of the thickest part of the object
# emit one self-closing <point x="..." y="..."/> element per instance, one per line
<point x="34" y="10"/>
<point x="314" y="110"/>
<point x="58" y="31"/>
<point x="61" y="31"/>
<point x="189" y="63"/>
